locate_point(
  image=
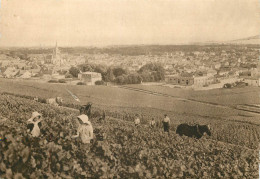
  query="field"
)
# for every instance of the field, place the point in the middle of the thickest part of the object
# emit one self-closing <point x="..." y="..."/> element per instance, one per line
<point x="227" y="97"/>
<point x="199" y="103"/>
<point x="120" y="150"/>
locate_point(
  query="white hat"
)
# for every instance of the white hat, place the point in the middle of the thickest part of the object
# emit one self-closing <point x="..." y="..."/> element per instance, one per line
<point x="34" y="115"/>
<point x="84" y="119"/>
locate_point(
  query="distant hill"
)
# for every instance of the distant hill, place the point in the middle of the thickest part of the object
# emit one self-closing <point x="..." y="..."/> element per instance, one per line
<point x="248" y="40"/>
<point x="253" y="40"/>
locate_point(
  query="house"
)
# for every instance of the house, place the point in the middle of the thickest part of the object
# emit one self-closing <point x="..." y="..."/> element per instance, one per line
<point x="20" y="65"/>
<point x="252" y="81"/>
<point x="35" y="71"/>
<point x="217" y="65"/>
<point x="5" y="63"/>
<point x="223" y="72"/>
<point x="188" y="80"/>
<point x="57" y="76"/>
<point x="48" y="59"/>
<point x="200" y="81"/>
<point x="211" y="72"/>
<point x="90" y="77"/>
<point x="10" y="72"/>
<point x="179" y="80"/>
<point x="46" y="77"/>
<point x="26" y="75"/>
<point x="255" y="72"/>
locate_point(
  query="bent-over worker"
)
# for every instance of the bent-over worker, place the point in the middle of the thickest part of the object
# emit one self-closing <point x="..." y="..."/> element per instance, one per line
<point x="85" y="129"/>
<point x="34" y="124"/>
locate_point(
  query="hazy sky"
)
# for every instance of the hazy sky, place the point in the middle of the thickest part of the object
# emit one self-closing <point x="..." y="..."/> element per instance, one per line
<point x="114" y="22"/>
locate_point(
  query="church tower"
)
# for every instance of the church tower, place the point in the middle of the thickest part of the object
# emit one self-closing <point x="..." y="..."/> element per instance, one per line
<point x="56" y="60"/>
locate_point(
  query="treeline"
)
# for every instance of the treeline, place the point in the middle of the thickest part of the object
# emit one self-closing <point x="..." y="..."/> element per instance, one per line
<point x="152" y="72"/>
<point x="133" y="50"/>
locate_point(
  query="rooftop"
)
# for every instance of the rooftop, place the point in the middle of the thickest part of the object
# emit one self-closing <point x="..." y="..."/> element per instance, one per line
<point x="89" y="72"/>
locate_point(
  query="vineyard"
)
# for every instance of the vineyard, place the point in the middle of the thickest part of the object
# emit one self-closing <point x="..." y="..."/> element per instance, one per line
<point x="120" y="150"/>
<point x="114" y="96"/>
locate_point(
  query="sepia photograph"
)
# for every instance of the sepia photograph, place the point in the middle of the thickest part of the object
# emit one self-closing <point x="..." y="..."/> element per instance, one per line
<point x="131" y="89"/>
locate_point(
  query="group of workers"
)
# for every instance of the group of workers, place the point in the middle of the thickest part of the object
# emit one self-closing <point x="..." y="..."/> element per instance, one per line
<point x="166" y="122"/>
<point x="85" y="129"/>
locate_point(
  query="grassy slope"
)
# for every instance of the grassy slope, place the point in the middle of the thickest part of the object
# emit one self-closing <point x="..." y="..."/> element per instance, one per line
<point x="230" y="97"/>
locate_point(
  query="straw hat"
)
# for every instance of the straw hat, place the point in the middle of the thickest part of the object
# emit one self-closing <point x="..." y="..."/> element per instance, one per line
<point x="34" y="115"/>
<point x="84" y="119"/>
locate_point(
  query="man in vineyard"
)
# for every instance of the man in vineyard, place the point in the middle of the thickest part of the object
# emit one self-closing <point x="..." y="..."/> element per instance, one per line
<point x="34" y="124"/>
<point x="137" y="120"/>
<point x="166" y="123"/>
<point x="85" y="129"/>
<point x="152" y="123"/>
<point x="103" y="117"/>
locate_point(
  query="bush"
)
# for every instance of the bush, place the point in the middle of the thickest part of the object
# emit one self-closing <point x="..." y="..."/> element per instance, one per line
<point x="99" y="82"/>
<point x="81" y="83"/>
<point x="227" y="85"/>
<point x="53" y="81"/>
<point x="68" y="75"/>
<point x="240" y="84"/>
<point x="62" y="81"/>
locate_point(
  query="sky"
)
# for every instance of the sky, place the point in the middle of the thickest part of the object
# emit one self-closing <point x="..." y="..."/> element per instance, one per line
<point x="125" y="22"/>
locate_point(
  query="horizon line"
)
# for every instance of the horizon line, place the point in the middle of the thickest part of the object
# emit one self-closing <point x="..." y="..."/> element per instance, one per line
<point x="226" y="42"/>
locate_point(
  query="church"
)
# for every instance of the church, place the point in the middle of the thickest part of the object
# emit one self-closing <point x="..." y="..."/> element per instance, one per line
<point x="56" y="56"/>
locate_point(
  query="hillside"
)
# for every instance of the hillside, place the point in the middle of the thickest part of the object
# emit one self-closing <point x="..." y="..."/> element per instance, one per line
<point x="119" y="98"/>
<point x="249" y="40"/>
<point x="119" y="149"/>
<point x="253" y="40"/>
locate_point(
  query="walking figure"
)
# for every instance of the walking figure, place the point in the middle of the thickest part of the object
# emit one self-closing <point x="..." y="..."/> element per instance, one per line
<point x="166" y="123"/>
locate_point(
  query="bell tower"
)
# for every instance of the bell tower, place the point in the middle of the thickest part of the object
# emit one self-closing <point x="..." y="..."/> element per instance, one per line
<point x="56" y="55"/>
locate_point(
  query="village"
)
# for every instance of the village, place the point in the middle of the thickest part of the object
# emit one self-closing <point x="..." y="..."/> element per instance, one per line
<point x="206" y="68"/>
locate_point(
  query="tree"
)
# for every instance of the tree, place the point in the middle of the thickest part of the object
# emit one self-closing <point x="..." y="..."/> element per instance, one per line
<point x="74" y="71"/>
<point x="101" y="69"/>
<point x="68" y="75"/>
<point x="119" y="71"/>
<point x="146" y="76"/>
<point x="134" y="79"/>
<point x="85" y="67"/>
<point x="120" y="79"/>
<point x="152" y="72"/>
<point x="109" y="76"/>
